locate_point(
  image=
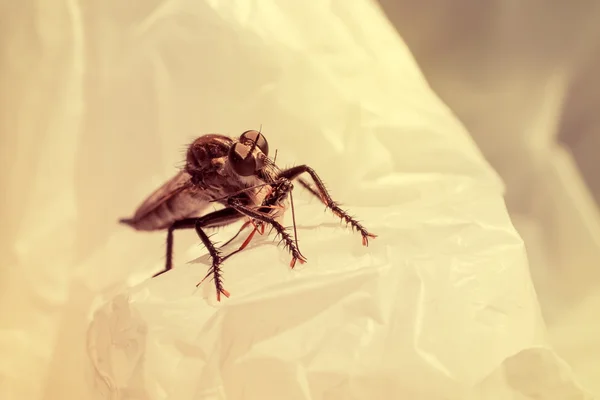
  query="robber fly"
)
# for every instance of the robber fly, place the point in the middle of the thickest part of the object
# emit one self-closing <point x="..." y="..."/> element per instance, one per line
<point x="239" y="175"/>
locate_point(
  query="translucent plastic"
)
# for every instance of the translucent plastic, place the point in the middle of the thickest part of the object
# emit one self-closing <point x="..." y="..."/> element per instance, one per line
<point x="104" y="97"/>
<point x="521" y="75"/>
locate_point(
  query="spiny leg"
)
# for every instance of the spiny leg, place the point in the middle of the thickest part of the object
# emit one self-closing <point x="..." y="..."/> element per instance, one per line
<point x="215" y="269"/>
<point x="269" y="205"/>
<point x="281" y="231"/>
<point x="217" y="218"/>
<point x="272" y="202"/>
<point x="311" y="189"/>
<point x="280" y="189"/>
<point x="324" y="196"/>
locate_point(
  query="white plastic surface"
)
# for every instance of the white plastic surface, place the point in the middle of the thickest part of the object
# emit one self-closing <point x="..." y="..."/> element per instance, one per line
<point x="521" y="74"/>
<point x="439" y="306"/>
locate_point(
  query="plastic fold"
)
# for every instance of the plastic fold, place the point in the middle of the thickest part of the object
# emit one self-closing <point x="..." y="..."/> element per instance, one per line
<point x="439" y="306"/>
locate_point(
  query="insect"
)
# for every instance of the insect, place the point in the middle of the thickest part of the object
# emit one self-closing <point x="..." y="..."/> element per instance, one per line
<point x="239" y="175"/>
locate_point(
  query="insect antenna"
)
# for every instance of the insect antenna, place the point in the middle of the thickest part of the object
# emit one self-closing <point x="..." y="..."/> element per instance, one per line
<point x="275" y="158"/>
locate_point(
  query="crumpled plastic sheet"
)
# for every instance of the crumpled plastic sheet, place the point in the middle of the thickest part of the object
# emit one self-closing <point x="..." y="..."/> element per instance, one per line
<point x="523" y="79"/>
<point x="439" y="306"/>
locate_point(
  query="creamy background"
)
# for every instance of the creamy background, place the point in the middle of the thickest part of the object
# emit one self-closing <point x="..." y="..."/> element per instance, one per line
<point x="98" y="100"/>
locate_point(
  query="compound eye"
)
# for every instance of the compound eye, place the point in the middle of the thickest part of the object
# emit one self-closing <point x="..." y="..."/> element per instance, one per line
<point x="259" y="138"/>
<point x="242" y="162"/>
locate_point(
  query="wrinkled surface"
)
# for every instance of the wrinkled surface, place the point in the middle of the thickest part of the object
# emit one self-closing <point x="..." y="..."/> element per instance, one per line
<point x="440" y="305"/>
<point x="523" y="78"/>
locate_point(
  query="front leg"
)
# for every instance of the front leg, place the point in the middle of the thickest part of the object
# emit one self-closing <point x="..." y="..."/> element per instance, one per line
<point x="323" y="195"/>
<point x="266" y="218"/>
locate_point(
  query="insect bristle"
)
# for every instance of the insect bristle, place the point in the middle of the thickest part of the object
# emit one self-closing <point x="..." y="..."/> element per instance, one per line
<point x="181" y="165"/>
<point x="184" y="150"/>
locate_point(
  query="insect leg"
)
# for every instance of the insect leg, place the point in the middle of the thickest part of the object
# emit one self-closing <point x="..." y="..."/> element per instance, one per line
<point x="217" y="218"/>
<point x="244" y="226"/>
<point x="269" y="204"/>
<point x="311" y="189"/>
<point x="264" y="217"/>
<point x="323" y="195"/>
<point x="215" y="269"/>
<point x="183" y="224"/>
<point x="257" y="227"/>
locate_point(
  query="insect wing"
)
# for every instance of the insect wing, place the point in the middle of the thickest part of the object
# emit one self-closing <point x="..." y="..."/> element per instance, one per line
<point x="177" y="198"/>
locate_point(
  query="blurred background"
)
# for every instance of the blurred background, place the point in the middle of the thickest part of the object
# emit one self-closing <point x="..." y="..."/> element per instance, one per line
<point x="524" y="79"/>
<point x="521" y="76"/>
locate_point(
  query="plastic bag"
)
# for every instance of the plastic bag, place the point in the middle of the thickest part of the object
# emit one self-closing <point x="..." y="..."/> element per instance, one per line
<point x="440" y="305"/>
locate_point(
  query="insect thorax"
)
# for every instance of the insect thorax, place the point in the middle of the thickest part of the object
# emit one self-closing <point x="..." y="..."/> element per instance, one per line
<point x="204" y="150"/>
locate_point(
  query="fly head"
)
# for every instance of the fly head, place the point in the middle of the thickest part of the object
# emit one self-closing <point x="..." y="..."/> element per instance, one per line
<point x="250" y="154"/>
